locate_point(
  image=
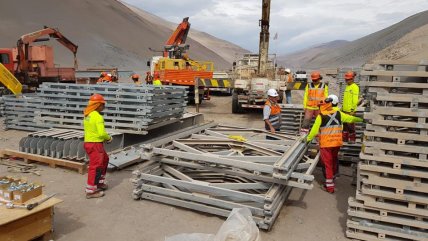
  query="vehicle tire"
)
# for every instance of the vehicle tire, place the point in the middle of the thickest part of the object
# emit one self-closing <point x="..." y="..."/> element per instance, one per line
<point x="236" y="107"/>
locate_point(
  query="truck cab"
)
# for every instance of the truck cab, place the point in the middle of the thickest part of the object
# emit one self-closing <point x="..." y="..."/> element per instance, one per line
<point x="6" y="58"/>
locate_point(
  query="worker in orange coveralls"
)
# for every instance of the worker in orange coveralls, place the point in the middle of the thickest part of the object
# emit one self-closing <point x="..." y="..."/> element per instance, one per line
<point x="95" y="135"/>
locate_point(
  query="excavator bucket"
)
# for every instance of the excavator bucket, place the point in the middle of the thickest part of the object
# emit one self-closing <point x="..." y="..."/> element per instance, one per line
<point x="9" y="80"/>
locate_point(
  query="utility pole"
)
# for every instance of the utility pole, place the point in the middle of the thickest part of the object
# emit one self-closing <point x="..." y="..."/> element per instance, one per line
<point x="264" y="38"/>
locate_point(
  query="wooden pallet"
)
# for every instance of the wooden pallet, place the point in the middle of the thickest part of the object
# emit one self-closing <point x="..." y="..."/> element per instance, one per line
<point x="359" y="210"/>
<point x="52" y="162"/>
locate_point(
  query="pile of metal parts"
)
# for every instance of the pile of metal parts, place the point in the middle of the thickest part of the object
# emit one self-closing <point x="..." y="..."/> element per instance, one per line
<point x="392" y="192"/>
<point x="130" y="108"/>
<point x="292" y="118"/>
<point x="19" y="112"/>
<point x="63" y="144"/>
<point x="224" y="167"/>
<point x="1" y="106"/>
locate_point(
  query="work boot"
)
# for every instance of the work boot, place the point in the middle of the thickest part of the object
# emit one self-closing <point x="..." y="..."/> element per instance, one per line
<point x="352" y="138"/>
<point x="96" y="194"/>
<point x="102" y="186"/>
<point x="328" y="189"/>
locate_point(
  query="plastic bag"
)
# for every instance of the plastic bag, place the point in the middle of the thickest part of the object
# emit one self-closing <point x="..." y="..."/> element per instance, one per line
<point x="239" y="226"/>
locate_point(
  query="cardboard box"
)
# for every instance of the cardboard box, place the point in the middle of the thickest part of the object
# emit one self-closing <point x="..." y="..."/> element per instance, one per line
<point x="22" y="197"/>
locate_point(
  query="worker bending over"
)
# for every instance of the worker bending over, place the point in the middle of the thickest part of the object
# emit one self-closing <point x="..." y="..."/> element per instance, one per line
<point x="315" y="92"/>
<point x="349" y="106"/>
<point x="272" y="113"/>
<point x="329" y="125"/>
<point x="95" y="135"/>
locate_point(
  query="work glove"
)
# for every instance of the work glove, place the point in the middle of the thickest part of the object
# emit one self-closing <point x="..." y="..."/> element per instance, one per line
<point x="304" y="139"/>
<point x="111" y="139"/>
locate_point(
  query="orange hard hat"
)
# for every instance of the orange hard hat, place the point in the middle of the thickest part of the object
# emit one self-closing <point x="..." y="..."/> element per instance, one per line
<point x="315" y="75"/>
<point x="156" y="74"/>
<point x="349" y="75"/>
<point x="135" y="76"/>
<point x="97" y="98"/>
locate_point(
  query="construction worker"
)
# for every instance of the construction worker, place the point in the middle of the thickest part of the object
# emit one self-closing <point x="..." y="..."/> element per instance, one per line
<point x="156" y="81"/>
<point x="94" y="137"/>
<point x="136" y="79"/>
<point x="289" y="79"/>
<point x="272" y="113"/>
<point x="102" y="75"/>
<point x="105" y="79"/>
<point x="329" y="125"/>
<point x="315" y="92"/>
<point x="349" y="106"/>
<point x="149" y="78"/>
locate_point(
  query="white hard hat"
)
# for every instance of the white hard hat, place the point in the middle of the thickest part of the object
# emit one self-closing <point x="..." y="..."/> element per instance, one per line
<point x="334" y="99"/>
<point x="109" y="75"/>
<point x="272" y="92"/>
<point x="288" y="70"/>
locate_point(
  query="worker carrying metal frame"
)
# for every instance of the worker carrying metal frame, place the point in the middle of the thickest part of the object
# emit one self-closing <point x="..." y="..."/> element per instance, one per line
<point x="315" y="93"/>
<point x="95" y="136"/>
<point x="329" y="126"/>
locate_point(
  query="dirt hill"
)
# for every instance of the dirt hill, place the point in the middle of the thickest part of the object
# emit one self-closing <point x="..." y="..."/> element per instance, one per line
<point x="107" y="32"/>
<point x="404" y="40"/>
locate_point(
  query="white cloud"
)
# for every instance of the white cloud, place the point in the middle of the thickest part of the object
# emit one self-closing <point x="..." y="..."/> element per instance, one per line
<point x="299" y="23"/>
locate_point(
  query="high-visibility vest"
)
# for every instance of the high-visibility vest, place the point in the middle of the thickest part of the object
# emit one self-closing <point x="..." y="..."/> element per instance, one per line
<point x="274" y="116"/>
<point x="350" y="98"/>
<point x="157" y="82"/>
<point x="315" y="94"/>
<point x="330" y="134"/>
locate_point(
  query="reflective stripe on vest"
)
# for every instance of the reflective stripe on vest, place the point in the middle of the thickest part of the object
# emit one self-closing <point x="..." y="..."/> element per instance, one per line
<point x="275" y="115"/>
<point x="315" y="95"/>
<point x="331" y="130"/>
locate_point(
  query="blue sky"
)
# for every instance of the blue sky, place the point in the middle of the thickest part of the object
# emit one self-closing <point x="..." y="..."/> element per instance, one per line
<point x="299" y="23"/>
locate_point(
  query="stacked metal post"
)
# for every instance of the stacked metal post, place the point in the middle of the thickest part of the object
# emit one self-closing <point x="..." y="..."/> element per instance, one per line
<point x="20" y="112"/>
<point x="129" y="109"/>
<point x="225" y="167"/>
<point x="391" y="202"/>
<point x="1" y="106"/>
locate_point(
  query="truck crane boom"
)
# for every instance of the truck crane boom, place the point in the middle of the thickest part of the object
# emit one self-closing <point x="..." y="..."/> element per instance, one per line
<point x="264" y="38"/>
<point x="175" y="45"/>
<point x="25" y="40"/>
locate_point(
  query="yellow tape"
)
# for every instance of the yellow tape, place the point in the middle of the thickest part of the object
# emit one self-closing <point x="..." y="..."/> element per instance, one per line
<point x="9" y="80"/>
<point x="297" y="86"/>
<point x="214" y="83"/>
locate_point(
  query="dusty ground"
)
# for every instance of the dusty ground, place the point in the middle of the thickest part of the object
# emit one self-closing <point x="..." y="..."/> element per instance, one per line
<point x="314" y="215"/>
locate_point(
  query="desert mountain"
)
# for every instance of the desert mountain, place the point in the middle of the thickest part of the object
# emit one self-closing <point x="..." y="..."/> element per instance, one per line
<point x="107" y="32"/>
<point x="405" y="40"/>
<point x="306" y="55"/>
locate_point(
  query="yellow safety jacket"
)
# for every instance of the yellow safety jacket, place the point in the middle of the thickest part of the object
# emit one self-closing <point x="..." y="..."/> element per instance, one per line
<point x="350" y="98"/>
<point x="314" y="94"/>
<point x="93" y="125"/>
<point x="329" y="124"/>
<point x="157" y="82"/>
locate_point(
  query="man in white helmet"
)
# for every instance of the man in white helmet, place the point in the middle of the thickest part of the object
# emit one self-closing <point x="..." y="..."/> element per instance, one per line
<point x="272" y="113"/>
<point x="329" y="125"/>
